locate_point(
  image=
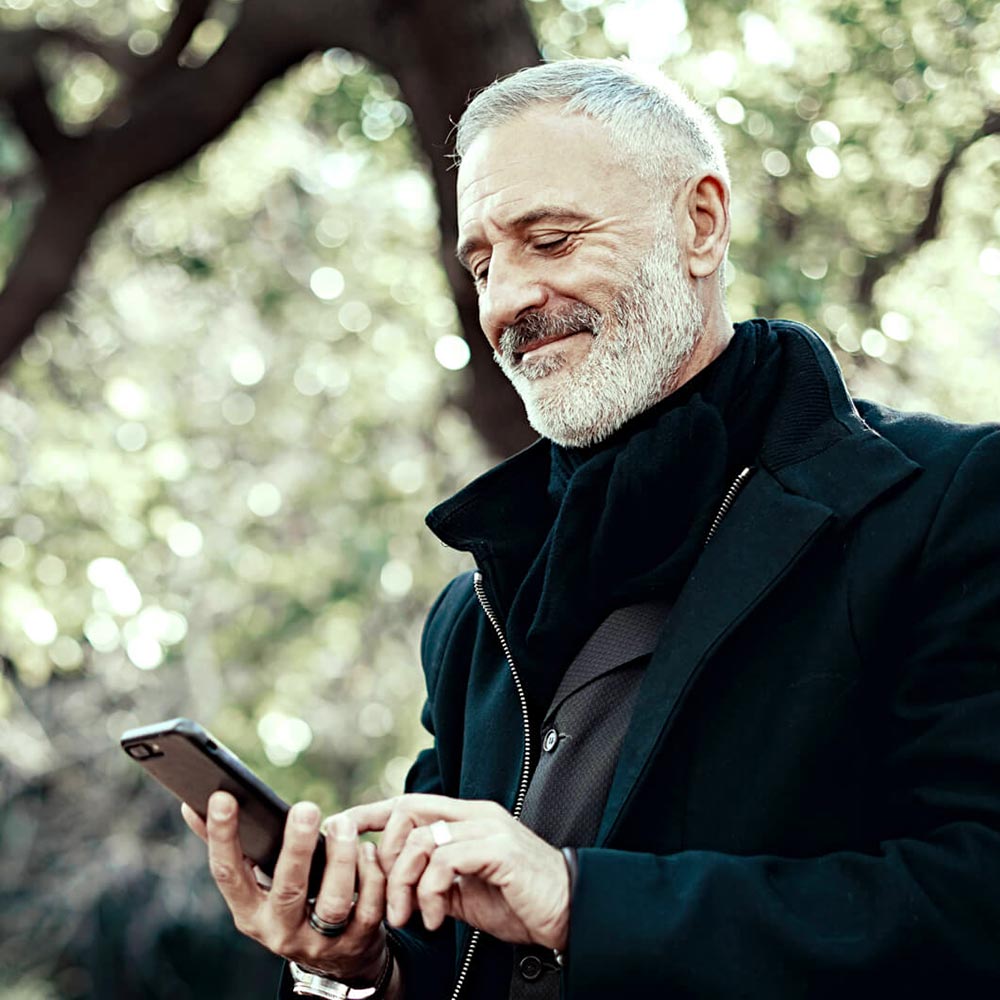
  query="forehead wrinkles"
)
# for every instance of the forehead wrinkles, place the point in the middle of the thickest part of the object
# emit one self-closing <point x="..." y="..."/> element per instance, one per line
<point x="489" y="203"/>
<point x="486" y="194"/>
<point x="475" y="169"/>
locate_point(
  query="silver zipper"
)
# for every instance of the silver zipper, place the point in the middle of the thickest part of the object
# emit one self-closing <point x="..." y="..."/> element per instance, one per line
<point x="727" y="501"/>
<point x="522" y="789"/>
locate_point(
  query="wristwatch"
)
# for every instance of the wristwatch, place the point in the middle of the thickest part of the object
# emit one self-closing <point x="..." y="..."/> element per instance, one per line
<point x="307" y="983"/>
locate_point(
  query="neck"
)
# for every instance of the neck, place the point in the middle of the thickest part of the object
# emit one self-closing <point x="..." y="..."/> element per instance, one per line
<point x="714" y="339"/>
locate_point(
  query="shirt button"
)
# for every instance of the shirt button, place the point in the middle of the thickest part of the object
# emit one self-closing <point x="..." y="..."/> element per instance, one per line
<point x="530" y="967"/>
<point x="550" y="740"/>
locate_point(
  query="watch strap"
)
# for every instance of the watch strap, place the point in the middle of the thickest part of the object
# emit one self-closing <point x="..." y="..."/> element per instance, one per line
<point x="309" y="983"/>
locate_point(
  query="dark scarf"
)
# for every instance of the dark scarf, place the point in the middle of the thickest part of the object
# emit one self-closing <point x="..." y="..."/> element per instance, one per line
<point x="629" y="515"/>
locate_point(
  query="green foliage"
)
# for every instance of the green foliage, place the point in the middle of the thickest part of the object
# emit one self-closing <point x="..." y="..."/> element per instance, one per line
<point x="216" y="457"/>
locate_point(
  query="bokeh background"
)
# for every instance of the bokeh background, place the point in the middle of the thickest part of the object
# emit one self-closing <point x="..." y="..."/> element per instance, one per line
<point x="216" y="451"/>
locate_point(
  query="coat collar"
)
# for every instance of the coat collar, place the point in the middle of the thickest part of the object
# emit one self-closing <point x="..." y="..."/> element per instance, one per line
<point x="814" y="429"/>
<point x="817" y="446"/>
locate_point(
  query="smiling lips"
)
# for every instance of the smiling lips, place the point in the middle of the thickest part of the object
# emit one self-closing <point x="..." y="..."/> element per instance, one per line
<point x="534" y="332"/>
<point x="541" y="342"/>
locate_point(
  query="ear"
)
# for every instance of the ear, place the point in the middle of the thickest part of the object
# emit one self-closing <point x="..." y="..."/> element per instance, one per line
<point x="706" y="224"/>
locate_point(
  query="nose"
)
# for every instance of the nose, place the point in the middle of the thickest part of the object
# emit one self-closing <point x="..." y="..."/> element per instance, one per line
<point x="511" y="291"/>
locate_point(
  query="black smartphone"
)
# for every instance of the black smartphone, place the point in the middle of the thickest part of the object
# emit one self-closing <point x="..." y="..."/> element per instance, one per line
<point x="191" y="763"/>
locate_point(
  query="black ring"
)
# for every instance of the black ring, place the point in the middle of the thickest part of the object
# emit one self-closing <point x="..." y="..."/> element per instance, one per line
<point x="328" y="928"/>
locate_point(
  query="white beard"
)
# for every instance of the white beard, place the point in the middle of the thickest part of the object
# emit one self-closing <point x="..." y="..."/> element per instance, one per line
<point x="638" y="350"/>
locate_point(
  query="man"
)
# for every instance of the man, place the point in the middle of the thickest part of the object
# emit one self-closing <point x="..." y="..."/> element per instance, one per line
<point x="733" y="641"/>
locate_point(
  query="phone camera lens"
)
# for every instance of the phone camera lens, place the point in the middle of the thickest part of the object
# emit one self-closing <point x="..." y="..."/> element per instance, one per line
<point x="140" y="751"/>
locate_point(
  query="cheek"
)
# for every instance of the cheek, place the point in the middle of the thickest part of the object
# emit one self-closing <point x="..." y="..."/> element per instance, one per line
<point x="483" y="325"/>
<point x="595" y="282"/>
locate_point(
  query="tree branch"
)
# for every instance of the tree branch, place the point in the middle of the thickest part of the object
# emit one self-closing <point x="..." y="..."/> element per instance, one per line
<point x="172" y="117"/>
<point x="930" y="225"/>
<point x="438" y="51"/>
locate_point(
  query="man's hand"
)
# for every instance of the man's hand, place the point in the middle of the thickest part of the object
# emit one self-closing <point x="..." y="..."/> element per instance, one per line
<point x="278" y="917"/>
<point x="468" y="860"/>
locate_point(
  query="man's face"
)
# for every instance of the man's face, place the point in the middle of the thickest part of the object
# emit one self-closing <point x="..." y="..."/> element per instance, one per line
<point x="583" y="293"/>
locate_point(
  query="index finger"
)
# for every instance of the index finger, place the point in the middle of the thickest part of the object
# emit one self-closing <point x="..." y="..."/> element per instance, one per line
<point x="422" y="808"/>
<point x="194" y="822"/>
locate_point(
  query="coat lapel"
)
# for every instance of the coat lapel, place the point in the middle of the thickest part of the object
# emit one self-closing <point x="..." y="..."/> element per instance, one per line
<point x="764" y="535"/>
<point x="771" y="526"/>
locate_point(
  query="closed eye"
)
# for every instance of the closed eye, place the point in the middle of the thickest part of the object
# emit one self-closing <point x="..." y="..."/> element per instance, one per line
<point x="479" y="276"/>
<point x="552" y="244"/>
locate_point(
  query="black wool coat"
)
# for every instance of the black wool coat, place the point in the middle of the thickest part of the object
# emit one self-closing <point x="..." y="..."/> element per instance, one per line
<point x="807" y="802"/>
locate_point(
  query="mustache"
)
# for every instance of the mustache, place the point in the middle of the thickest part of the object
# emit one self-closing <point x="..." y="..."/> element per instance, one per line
<point x="577" y="318"/>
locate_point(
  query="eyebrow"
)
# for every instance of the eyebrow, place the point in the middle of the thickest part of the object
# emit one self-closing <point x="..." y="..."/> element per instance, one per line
<point x="547" y="213"/>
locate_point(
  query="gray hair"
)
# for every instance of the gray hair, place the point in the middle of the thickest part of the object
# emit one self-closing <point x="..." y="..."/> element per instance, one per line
<point x="654" y="126"/>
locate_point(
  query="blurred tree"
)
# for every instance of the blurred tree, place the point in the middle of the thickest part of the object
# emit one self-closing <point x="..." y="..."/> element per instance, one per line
<point x="159" y="92"/>
<point x="215" y="455"/>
